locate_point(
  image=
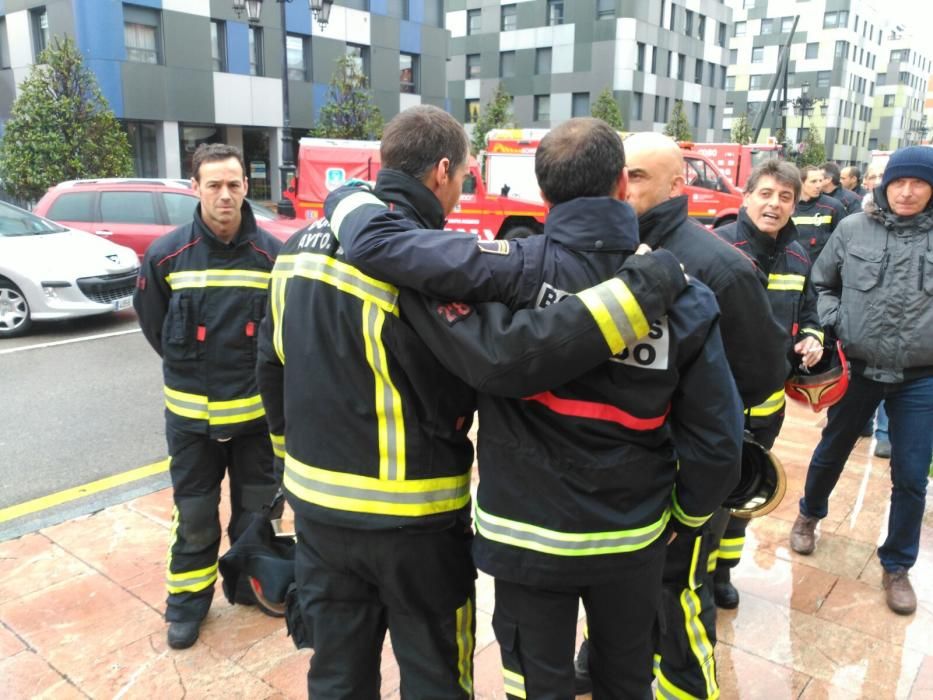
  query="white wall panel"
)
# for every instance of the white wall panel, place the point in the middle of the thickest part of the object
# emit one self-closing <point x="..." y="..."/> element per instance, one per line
<point x="456" y="23"/>
<point x="202" y="8"/>
<point x="471" y="89"/>
<point x="19" y="37"/>
<point x="406" y="100"/>
<point x="346" y="25"/>
<point x="247" y="100"/>
<point x="562" y="58"/>
<point x="561" y="106"/>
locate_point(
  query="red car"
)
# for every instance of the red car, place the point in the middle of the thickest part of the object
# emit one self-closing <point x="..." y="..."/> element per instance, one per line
<point x="134" y="212"/>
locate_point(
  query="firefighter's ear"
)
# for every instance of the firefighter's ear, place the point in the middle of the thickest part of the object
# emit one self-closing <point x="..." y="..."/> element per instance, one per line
<point x="438" y="175"/>
<point x="622" y="185"/>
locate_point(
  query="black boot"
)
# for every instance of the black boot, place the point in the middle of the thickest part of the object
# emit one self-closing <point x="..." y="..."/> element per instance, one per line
<point x="183" y="634"/>
<point x="724" y="593"/>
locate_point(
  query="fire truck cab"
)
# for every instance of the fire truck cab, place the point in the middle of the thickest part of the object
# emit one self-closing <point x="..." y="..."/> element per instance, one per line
<point x="736" y="161"/>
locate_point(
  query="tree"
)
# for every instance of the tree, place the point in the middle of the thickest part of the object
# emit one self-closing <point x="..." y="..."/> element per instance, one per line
<point x="61" y="127"/>
<point x="496" y="115"/>
<point x="678" y="128"/>
<point x="350" y="112"/>
<point x="741" y="129"/>
<point x="605" y="108"/>
<point x="813" y="152"/>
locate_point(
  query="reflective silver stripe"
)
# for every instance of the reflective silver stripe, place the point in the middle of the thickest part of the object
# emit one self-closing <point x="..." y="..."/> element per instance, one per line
<point x="731" y="548"/>
<point x="346" y="278"/>
<point x="699" y="640"/>
<point x="514" y="683"/>
<point x="218" y="278"/>
<point x="350" y="204"/>
<point x="387" y="409"/>
<point x="574" y="544"/>
<point x="617" y="313"/>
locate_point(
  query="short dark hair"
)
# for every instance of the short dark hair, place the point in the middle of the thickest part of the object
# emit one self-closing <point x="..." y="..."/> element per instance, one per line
<point x="831" y="170"/>
<point x="583" y="157"/>
<point x="807" y="169"/>
<point x="212" y="152"/>
<point x="417" y="138"/>
<point x="781" y="171"/>
<point x="855" y="172"/>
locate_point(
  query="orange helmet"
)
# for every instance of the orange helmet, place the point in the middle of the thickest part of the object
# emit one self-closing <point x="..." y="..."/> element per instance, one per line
<point x="823" y="384"/>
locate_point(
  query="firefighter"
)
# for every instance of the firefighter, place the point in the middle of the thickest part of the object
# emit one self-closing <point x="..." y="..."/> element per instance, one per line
<point x="765" y="232"/>
<point x="376" y="448"/>
<point x="200" y="298"/>
<point x="832" y="186"/>
<point x="582" y="509"/>
<point x="816" y="214"/>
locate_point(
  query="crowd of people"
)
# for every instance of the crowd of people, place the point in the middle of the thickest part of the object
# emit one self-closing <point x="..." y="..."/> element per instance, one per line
<point x="624" y="364"/>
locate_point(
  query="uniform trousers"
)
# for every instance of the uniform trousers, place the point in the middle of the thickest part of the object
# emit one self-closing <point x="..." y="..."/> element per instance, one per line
<point x="197" y="467"/>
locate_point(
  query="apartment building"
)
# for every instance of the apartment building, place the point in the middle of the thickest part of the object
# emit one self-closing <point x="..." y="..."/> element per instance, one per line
<point x="178" y="73"/>
<point x="901" y="89"/>
<point x="556" y="56"/>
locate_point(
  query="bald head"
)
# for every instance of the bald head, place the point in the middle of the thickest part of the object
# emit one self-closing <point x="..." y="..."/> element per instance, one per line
<point x="655" y="170"/>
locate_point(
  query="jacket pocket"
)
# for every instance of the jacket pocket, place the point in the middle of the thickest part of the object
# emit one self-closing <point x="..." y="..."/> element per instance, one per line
<point x="926" y="273"/>
<point x="179" y="330"/>
<point x="862" y="269"/>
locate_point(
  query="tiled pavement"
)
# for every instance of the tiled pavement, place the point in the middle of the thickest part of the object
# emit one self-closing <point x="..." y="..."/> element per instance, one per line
<point x="81" y="603"/>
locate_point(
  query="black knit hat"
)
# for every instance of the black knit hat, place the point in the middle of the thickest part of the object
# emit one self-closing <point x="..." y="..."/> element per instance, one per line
<point x="913" y="161"/>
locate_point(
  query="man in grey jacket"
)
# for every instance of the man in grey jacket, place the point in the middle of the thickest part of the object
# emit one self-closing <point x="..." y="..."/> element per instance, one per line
<point x="875" y="284"/>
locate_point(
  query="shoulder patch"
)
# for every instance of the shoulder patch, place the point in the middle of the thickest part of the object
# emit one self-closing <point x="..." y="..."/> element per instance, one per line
<point x="494" y="247"/>
<point x="453" y="312"/>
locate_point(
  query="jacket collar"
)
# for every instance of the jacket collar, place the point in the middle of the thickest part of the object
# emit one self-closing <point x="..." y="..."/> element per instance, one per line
<point x="247" y="227"/>
<point x="411" y="196"/>
<point x="593" y="223"/>
<point x="656" y="223"/>
<point x="762" y="241"/>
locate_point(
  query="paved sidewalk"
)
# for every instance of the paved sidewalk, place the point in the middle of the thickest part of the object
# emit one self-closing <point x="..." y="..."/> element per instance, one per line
<point x="81" y="604"/>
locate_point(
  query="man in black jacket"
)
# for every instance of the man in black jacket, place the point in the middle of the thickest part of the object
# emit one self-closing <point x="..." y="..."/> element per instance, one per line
<point x="200" y="298"/>
<point x="816" y="215"/>
<point x="832" y="186"/>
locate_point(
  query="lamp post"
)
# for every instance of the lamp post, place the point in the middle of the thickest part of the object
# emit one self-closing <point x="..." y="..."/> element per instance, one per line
<point x="320" y="10"/>
<point x="921" y="129"/>
<point x="804" y="105"/>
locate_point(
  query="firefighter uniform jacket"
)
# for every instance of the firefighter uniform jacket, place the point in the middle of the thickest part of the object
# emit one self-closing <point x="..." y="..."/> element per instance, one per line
<point x="375" y="429"/>
<point x="851" y="202"/>
<point x="793" y="299"/>
<point x="200" y="302"/>
<point x="816" y="219"/>
<point x="577" y="480"/>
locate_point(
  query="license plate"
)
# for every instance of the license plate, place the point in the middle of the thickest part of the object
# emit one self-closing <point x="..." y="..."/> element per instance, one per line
<point x="124" y="303"/>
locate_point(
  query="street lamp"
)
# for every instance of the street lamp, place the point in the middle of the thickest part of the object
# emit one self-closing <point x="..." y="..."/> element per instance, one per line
<point x="320" y="10"/>
<point x="804" y="105"/>
<point x="921" y="129"/>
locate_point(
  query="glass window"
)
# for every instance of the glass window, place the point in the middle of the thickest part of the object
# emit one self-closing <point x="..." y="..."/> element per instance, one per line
<point x="4" y="45"/>
<point x="472" y="65"/>
<point x="474" y="22"/>
<point x="758" y="54"/>
<point x="555" y="12"/>
<point x="672" y="19"/>
<point x="730" y="82"/>
<point x="639" y="56"/>
<point x="701" y="27"/>
<point x="543" y="61"/>
<point x="823" y="78"/>
<point x="681" y="64"/>
<point x="433" y="13"/>
<point x="721" y="36"/>
<point x="688" y="22"/>
<point x="813" y="50"/>
<point x="218" y="46"/>
<point x="506" y="64"/>
<point x="638" y="100"/>
<point x="580" y="106"/>
<point x="397" y="8"/>
<point x="542" y="108"/>
<point x="755" y="82"/>
<point x="142" y="34"/>
<point x="39" y="19"/>
<point x="73" y="206"/>
<point x="787" y="24"/>
<point x="255" y="51"/>
<point x="360" y="57"/>
<point x="509" y="18"/>
<point x="698" y="72"/>
<point x="472" y="111"/>
<point x="179" y="207"/>
<point x="144" y="144"/>
<point x="127" y="208"/>
<point x="739" y="29"/>
<point x="295" y="49"/>
<point x="842" y="48"/>
<point x="767" y="26"/>
<point x="733" y="56"/>
<point x="605" y="9"/>
<point x="888" y="102"/>
<point x="408" y="73"/>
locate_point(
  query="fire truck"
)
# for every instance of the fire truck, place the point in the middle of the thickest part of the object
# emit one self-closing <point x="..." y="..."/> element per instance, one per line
<point x="326" y="164"/>
<point x="736" y="161"/>
<point x="510" y="167"/>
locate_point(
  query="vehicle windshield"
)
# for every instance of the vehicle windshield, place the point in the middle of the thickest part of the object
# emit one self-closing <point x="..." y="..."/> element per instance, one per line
<point x="261" y="212"/>
<point x="19" y="222"/>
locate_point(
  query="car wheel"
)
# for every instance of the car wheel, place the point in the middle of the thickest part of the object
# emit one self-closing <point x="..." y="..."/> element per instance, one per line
<point x="518" y="232"/>
<point x="15" y="318"/>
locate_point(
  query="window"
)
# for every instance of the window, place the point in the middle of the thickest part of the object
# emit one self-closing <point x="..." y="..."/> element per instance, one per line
<point x="472" y="65"/>
<point x="580" y="105"/>
<point x="555" y="12"/>
<point x="433" y="13"/>
<point x="474" y="25"/>
<point x="898" y="55"/>
<point x="218" y="46"/>
<point x="681" y="63"/>
<point x="408" y="73"/>
<point x="701" y="28"/>
<point x="255" y="51"/>
<point x="542" y="108"/>
<point x="733" y="56"/>
<point x="688" y="22"/>
<point x="472" y="111"/>
<point x="739" y="29"/>
<point x="711" y="79"/>
<point x="506" y="64"/>
<point x="654" y="60"/>
<point x="839" y="18"/>
<point x="397" y="8"/>
<point x="76" y="206"/>
<point x="888" y="102"/>
<point x="698" y="72"/>
<point x="605" y="9"/>
<point x="842" y="49"/>
<point x="672" y="20"/>
<point x="722" y="77"/>
<point x="638" y="100"/>
<point x="142" y="34"/>
<point x="721" y="35"/>
<point x="509" y="18"/>
<point x="695" y="112"/>
<point x="657" y="108"/>
<point x="39" y="20"/>
<point x="543" y="61"/>
<point x="4" y="45"/>
<point x="787" y="23"/>
<point x="758" y="54"/>
<point x="756" y="82"/>
<point x="639" y="56"/>
<point x="813" y="50"/>
<point x="296" y="50"/>
<point x="823" y="78"/>
<point x="179" y="207"/>
<point x="360" y="56"/>
<point x="143" y="142"/>
<point x="127" y="207"/>
<point x="767" y="26"/>
<point x="730" y="82"/>
<point x="712" y="116"/>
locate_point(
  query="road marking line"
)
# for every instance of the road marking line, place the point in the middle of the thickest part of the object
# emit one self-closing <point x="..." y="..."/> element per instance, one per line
<point x="69" y="341"/>
<point x="56" y="499"/>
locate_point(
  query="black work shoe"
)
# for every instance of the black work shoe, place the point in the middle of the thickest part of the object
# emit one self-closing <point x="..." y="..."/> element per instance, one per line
<point x="182" y="635"/>
<point x="725" y="595"/>
<point x="883" y="449"/>
<point x="582" y="682"/>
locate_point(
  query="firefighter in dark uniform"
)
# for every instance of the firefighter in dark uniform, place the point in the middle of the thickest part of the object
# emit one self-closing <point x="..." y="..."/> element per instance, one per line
<point x="832" y="186"/>
<point x="816" y="214"/>
<point x="765" y="233"/>
<point x="578" y="485"/>
<point x="377" y="456"/>
<point x="200" y="298"/>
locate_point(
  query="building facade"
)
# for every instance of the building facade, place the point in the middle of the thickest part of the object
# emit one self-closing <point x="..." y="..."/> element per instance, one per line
<point x="556" y="56"/>
<point x="900" y="95"/>
<point x="178" y="73"/>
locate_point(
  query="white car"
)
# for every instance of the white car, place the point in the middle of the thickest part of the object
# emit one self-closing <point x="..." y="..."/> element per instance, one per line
<point x="50" y="272"/>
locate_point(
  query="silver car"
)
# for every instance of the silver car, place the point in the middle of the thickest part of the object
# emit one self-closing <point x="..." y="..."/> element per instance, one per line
<point x="50" y="272"/>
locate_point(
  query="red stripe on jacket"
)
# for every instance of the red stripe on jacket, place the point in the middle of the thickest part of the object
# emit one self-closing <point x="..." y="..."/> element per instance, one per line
<point x="597" y="411"/>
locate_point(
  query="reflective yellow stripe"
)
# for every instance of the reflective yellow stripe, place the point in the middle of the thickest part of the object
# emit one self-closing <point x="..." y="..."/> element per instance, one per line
<point x="281" y="273"/>
<point x="191" y="581"/>
<point x="465" y="645"/>
<point x="731" y="548"/>
<point x="772" y="405"/>
<point x="278" y="445"/>
<point x="389" y="418"/>
<point x="198" y="279"/>
<point x="815" y="332"/>
<point x="679" y="514"/>
<point x="789" y="283"/>
<point x="699" y="641"/>
<point x="666" y="688"/>
<point x="814" y="220"/>
<point x="567" y="544"/>
<point x="514" y="683"/>
<point x="344" y="277"/>
<point x="712" y="561"/>
<point x="694" y="561"/>
<point x="198" y="407"/>
<point x="617" y="313"/>
<point x="365" y="494"/>
<point x="348" y="205"/>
